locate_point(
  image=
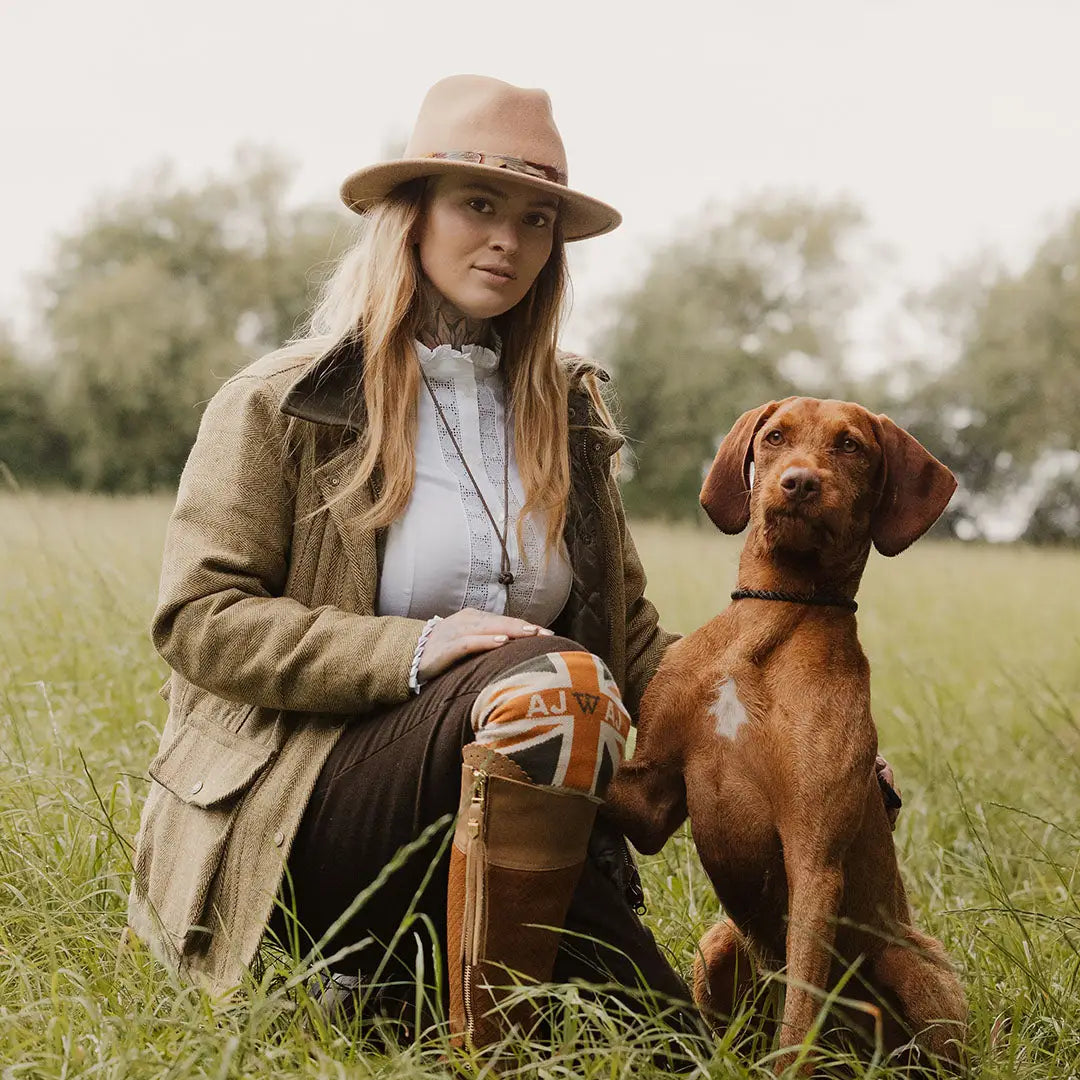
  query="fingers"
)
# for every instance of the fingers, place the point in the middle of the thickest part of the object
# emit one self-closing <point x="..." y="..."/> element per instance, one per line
<point x="487" y="624"/>
<point x="479" y="643"/>
<point x="470" y="631"/>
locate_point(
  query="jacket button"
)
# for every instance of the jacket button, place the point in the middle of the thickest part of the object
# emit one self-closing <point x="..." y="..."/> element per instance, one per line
<point x="597" y="447"/>
<point x="279" y="838"/>
<point x="196" y="787"/>
<point x="334" y="481"/>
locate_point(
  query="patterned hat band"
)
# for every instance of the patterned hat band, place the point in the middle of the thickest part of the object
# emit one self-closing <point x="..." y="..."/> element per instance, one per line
<point x="500" y="161"/>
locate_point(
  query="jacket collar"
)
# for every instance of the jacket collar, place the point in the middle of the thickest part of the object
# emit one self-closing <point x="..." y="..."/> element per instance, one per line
<point x="328" y="392"/>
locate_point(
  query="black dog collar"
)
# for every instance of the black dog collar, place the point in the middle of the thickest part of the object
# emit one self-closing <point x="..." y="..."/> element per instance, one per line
<point x="817" y="599"/>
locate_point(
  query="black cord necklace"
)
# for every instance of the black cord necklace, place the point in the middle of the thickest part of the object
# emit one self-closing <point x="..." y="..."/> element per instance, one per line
<point x="816" y="599"/>
<point x="506" y="577"/>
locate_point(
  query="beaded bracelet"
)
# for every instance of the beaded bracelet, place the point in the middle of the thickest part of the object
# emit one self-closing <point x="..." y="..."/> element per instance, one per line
<point x="414" y="670"/>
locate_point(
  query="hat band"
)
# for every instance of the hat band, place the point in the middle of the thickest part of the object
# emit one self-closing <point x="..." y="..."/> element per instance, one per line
<point x="499" y="161"/>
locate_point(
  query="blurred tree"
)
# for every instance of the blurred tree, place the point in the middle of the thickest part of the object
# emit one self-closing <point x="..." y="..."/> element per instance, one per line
<point x="743" y="307"/>
<point x="1009" y="406"/>
<point x="32" y="448"/>
<point x="1056" y="517"/>
<point x="166" y="292"/>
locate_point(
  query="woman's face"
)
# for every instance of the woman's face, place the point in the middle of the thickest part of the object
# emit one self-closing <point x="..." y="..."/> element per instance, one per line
<point x="483" y="242"/>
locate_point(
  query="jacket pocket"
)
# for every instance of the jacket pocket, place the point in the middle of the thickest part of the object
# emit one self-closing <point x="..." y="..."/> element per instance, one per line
<point x="206" y="763"/>
<point x="200" y="775"/>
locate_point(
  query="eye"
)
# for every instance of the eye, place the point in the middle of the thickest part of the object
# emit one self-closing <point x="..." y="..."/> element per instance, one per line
<point x="849" y="445"/>
<point x="480" y="205"/>
<point x="774" y="437"/>
<point x="538" y="220"/>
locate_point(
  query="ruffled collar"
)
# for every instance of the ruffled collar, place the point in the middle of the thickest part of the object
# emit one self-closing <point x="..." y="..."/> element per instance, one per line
<point x="445" y="361"/>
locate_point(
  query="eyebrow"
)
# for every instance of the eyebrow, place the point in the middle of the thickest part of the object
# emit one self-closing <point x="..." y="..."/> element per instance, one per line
<point x="549" y="204"/>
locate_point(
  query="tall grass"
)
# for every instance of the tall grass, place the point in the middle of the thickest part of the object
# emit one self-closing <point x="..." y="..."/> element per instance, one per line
<point x="976" y="662"/>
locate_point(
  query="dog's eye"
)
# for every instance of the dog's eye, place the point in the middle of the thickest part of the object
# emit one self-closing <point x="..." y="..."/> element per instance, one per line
<point x="775" y="437"/>
<point x="849" y="445"/>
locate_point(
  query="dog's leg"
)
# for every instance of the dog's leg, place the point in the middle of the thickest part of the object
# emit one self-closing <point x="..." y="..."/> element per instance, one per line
<point x="724" y="973"/>
<point x="931" y="1000"/>
<point x="647" y="796"/>
<point x="814" y="894"/>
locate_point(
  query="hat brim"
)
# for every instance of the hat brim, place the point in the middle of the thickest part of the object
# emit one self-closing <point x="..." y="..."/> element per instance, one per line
<point x="581" y="215"/>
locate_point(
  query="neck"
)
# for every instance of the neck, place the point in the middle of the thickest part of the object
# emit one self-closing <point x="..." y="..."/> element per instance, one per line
<point x="799" y="572"/>
<point x="442" y="323"/>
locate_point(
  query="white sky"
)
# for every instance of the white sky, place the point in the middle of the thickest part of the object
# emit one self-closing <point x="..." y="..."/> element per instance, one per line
<point x="956" y="124"/>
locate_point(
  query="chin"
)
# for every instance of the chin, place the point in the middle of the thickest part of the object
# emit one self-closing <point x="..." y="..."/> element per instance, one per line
<point x="796" y="532"/>
<point x="480" y="307"/>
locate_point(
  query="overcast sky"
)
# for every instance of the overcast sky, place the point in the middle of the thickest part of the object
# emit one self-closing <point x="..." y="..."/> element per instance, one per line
<point x="955" y="124"/>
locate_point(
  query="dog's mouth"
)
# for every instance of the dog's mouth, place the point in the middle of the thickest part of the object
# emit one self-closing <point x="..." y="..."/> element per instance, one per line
<point x="798" y="526"/>
<point x="806" y="512"/>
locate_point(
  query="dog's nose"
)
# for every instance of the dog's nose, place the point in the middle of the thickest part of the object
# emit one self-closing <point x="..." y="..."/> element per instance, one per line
<point x="800" y="483"/>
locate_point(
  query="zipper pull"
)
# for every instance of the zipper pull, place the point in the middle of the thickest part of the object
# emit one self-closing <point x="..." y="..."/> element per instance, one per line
<point x="477" y="803"/>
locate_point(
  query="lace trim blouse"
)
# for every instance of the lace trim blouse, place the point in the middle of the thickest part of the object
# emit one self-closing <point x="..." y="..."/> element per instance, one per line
<point x="443" y="554"/>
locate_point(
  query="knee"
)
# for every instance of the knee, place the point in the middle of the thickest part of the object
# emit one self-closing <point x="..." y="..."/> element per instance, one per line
<point x="559" y="715"/>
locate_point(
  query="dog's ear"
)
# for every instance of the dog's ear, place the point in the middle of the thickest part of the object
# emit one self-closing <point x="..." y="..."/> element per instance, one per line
<point x="725" y="495"/>
<point x="915" y="489"/>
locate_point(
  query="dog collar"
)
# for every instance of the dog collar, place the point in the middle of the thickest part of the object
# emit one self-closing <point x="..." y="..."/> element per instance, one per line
<point x="817" y="599"/>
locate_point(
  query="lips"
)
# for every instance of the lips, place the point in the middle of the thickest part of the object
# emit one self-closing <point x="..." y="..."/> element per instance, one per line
<point x="504" y="272"/>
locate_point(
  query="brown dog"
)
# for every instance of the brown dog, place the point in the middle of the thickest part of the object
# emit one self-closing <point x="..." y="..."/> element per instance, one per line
<point x="758" y="727"/>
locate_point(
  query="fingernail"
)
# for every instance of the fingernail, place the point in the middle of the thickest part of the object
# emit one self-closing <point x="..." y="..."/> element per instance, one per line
<point x="501" y="637"/>
<point x="548" y="633"/>
<point x="528" y="628"/>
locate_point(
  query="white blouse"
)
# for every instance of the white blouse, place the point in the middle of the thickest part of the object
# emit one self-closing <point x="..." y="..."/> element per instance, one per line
<point x="443" y="554"/>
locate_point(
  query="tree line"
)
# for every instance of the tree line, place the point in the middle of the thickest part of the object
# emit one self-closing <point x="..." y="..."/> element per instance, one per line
<point x="168" y="288"/>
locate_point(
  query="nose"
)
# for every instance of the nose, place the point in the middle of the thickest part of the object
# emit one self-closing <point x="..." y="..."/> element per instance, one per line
<point x="799" y="483"/>
<point x="504" y="238"/>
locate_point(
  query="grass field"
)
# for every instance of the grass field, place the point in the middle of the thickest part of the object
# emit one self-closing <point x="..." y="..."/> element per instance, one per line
<point x="976" y="662"/>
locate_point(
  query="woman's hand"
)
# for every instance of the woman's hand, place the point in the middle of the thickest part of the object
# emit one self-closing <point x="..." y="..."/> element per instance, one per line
<point x="890" y="792"/>
<point x="466" y="632"/>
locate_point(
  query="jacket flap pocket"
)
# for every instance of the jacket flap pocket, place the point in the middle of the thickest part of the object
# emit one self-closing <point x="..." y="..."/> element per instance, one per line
<point x="205" y="764"/>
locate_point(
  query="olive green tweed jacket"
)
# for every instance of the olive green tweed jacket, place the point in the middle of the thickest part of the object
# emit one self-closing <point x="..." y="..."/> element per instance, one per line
<point x="266" y="617"/>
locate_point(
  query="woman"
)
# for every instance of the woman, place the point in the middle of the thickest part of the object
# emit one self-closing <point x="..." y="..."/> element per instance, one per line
<point x="398" y="538"/>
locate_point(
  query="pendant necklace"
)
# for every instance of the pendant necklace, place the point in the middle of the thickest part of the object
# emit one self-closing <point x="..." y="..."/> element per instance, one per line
<point x="506" y="577"/>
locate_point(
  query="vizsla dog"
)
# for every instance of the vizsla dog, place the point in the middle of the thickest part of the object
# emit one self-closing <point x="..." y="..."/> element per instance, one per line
<point x="758" y="727"/>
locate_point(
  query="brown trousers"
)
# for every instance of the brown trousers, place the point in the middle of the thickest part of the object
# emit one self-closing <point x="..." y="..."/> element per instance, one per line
<point x="396" y="771"/>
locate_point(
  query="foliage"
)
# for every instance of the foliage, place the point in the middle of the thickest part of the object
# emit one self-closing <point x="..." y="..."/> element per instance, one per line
<point x="168" y="288"/>
<point x="742" y="307"/>
<point x="160" y="297"/>
<point x="976" y="695"/>
<point x="1056" y="516"/>
<point x="1010" y="404"/>
<point x="33" y="448"/>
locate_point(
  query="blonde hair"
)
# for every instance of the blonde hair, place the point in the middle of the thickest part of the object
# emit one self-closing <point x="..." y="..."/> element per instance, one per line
<point x="372" y="298"/>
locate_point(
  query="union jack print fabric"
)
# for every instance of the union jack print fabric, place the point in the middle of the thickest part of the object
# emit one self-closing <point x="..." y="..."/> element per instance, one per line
<point x="560" y="717"/>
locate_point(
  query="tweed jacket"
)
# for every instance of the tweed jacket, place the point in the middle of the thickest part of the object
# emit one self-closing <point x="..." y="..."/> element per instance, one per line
<point x="266" y="618"/>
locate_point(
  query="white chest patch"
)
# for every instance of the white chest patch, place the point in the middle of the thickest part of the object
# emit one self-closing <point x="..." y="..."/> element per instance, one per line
<point x="727" y="710"/>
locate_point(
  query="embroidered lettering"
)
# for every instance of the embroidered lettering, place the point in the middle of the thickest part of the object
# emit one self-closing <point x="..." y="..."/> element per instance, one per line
<point x="586" y="702"/>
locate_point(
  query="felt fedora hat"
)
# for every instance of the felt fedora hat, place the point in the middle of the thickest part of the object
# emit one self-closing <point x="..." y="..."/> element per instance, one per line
<point x="471" y="123"/>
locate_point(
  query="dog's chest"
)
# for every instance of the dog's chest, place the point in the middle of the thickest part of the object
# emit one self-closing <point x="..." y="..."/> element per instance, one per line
<point x="726" y="710"/>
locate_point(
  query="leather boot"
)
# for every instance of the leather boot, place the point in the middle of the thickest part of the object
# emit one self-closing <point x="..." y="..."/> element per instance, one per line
<point x="518" y="852"/>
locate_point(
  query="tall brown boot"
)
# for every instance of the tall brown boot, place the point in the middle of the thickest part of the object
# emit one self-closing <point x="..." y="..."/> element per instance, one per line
<point x="517" y="856"/>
